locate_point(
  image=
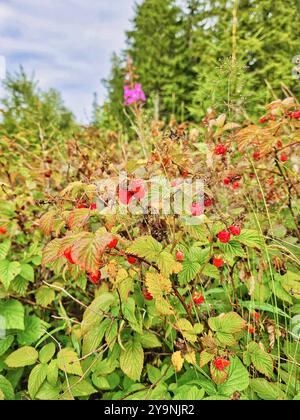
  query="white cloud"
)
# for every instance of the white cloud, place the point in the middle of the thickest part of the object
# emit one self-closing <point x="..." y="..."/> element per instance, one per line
<point x="67" y="43"/>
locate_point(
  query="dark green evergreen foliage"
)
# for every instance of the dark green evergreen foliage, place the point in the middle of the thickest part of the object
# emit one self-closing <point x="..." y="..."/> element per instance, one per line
<point x="189" y="60"/>
<point x="267" y="38"/>
<point x="157" y="47"/>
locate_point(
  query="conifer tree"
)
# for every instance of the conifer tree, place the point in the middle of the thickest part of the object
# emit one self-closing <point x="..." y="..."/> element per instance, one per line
<point x="156" y="46"/>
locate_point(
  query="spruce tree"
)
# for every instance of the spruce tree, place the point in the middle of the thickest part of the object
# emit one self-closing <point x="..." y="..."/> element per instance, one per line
<point x="267" y="39"/>
<point x="156" y="46"/>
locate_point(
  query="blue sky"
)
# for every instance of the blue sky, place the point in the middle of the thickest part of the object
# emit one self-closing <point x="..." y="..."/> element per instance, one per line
<point x="66" y="43"/>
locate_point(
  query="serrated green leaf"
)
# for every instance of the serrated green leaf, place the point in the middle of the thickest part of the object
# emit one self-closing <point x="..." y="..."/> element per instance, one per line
<point x="8" y="271"/>
<point x="266" y="390"/>
<point x="47" y="352"/>
<point x="12" y="312"/>
<point x="34" y="329"/>
<point x="36" y="379"/>
<point x="6" y="388"/>
<point x="261" y="360"/>
<point x="44" y="296"/>
<point x="132" y="359"/>
<point x="149" y="340"/>
<point x="25" y="356"/>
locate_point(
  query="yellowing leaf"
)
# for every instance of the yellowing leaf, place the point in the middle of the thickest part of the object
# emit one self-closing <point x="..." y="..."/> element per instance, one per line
<point x="187" y="330"/>
<point x="87" y="251"/>
<point x="46" y="222"/>
<point x="68" y="362"/>
<point x="158" y="285"/>
<point x="24" y="356"/>
<point x="190" y="357"/>
<point x="177" y="361"/>
<point x="163" y="307"/>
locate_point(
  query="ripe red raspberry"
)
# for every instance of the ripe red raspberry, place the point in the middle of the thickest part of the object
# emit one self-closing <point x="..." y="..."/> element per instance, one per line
<point x="184" y="174"/>
<point x="226" y="181"/>
<point x="68" y="255"/>
<point x="3" y="231"/>
<point x="256" y="155"/>
<point x="263" y="120"/>
<point x="284" y="158"/>
<point x="251" y="329"/>
<point x="235" y="230"/>
<point x="95" y="277"/>
<point x="295" y="115"/>
<point x="236" y="185"/>
<point x="93" y="206"/>
<point x="132" y="260"/>
<point x="221" y="364"/>
<point x="256" y="316"/>
<point x="217" y="262"/>
<point x="196" y="209"/>
<point x="113" y="243"/>
<point x="147" y="295"/>
<point x="208" y="202"/>
<point x="198" y="298"/>
<point x="224" y="236"/>
<point x="179" y="256"/>
<point x="81" y="205"/>
<point x="220" y="149"/>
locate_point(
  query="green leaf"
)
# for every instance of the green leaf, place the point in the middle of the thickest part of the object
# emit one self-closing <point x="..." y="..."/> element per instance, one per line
<point x="232" y="249"/>
<point x="189" y="271"/>
<point x="145" y="247"/>
<point x="266" y="390"/>
<point x="154" y="374"/>
<point x="211" y="271"/>
<point x="68" y="362"/>
<point x="36" y="379"/>
<point x="34" y="330"/>
<point x="5" y="344"/>
<point x="96" y="312"/>
<point x="291" y="283"/>
<point x="44" y="296"/>
<point x="238" y="378"/>
<point x="229" y="323"/>
<point x="257" y="306"/>
<point x="8" y="271"/>
<point x="52" y="372"/>
<point x="25" y="356"/>
<point x="47" y="352"/>
<point x="166" y="263"/>
<point x="261" y="360"/>
<point x="132" y="359"/>
<point x="4" y="248"/>
<point x="48" y="392"/>
<point x="13" y="313"/>
<point x="6" y="389"/>
<point x="282" y="294"/>
<point x="27" y="272"/>
<point x="94" y="336"/>
<point x="82" y="388"/>
<point x="251" y="238"/>
<point x="149" y="340"/>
